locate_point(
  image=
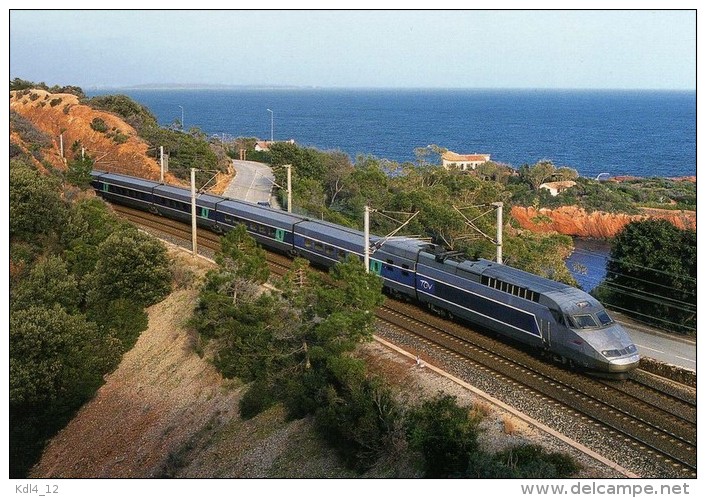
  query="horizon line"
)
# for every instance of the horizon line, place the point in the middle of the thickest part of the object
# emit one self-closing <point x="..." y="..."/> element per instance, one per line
<point x="224" y="86"/>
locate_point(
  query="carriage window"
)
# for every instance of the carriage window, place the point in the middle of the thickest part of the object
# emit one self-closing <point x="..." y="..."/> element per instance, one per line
<point x="389" y="265"/>
<point x="307" y="243"/>
<point x="404" y="270"/>
<point x="318" y="246"/>
<point x="329" y="250"/>
<point x="342" y="254"/>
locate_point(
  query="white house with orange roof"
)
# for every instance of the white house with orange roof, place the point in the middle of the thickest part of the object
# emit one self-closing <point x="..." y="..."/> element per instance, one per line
<point x="264" y="145"/>
<point x="463" y="162"/>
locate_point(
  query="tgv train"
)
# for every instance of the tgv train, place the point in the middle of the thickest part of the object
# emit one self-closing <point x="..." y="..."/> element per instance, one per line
<point x="561" y="320"/>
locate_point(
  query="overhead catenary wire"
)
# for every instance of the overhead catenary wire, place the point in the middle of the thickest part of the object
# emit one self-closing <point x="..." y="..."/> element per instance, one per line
<point x="656" y="270"/>
<point x="655" y="299"/>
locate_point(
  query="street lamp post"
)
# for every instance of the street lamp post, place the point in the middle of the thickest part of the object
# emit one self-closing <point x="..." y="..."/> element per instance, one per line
<point x="182" y="117"/>
<point x="272" y="125"/>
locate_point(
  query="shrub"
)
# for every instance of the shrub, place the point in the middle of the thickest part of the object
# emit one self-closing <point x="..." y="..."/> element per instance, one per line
<point x="99" y="125"/>
<point x="257" y="399"/>
<point x="28" y="132"/>
<point x="445" y="436"/>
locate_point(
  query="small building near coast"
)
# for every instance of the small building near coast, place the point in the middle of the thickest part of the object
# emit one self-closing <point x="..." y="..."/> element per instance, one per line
<point x="463" y="162"/>
<point x="555" y="188"/>
<point x="264" y="145"/>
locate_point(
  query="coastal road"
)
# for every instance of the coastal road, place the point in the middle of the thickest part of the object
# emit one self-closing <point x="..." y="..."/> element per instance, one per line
<point x="253" y="182"/>
<point x="652" y="343"/>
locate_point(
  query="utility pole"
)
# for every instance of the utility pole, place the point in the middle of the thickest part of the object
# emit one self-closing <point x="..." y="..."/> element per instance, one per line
<point x="366" y="241"/>
<point x="499" y="232"/>
<point x="83" y="153"/>
<point x="289" y="187"/>
<point x="61" y="144"/>
<point x="161" y="164"/>
<point x="193" y="212"/>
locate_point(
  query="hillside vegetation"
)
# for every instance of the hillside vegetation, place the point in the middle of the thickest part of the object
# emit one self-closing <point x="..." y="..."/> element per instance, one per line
<point x="81" y="280"/>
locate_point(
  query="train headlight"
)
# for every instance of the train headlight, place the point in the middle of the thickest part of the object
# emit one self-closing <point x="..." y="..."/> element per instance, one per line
<point x="615" y="353"/>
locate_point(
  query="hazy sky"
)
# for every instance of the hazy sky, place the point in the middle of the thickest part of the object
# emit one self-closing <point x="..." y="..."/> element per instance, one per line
<point x="439" y="48"/>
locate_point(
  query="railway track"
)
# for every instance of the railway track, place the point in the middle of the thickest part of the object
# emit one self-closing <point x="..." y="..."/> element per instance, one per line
<point x="625" y="419"/>
<point x="645" y="416"/>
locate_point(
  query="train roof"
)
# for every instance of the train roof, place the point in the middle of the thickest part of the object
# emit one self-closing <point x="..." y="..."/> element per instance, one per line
<point x="331" y="230"/>
<point x="253" y="211"/>
<point x="184" y="195"/>
<point x="124" y="180"/>
<point x="512" y="275"/>
<point x="404" y="246"/>
<point x="570" y="299"/>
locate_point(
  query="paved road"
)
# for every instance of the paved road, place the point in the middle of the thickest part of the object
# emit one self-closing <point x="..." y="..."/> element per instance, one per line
<point x="253" y="182"/>
<point x="660" y="346"/>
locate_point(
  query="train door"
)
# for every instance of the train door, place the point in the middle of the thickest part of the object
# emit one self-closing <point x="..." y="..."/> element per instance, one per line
<point x="375" y="266"/>
<point x="546" y="331"/>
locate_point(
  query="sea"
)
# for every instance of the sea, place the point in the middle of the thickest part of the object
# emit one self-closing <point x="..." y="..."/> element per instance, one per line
<point x="597" y="132"/>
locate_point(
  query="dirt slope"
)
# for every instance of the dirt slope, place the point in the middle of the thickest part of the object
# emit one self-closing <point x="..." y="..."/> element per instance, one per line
<point x="55" y="114"/>
<point x="167" y="412"/>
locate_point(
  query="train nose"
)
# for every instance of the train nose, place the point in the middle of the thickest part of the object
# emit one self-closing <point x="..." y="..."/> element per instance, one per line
<point x="622" y="360"/>
<point x="624" y="364"/>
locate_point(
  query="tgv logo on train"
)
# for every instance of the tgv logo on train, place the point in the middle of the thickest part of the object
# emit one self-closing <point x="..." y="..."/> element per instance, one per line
<point x="426" y="285"/>
<point x="562" y="322"/>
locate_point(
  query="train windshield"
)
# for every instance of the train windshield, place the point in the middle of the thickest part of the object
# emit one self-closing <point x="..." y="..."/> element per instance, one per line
<point x="588" y="321"/>
<point x="604" y="318"/>
<point x="583" y="321"/>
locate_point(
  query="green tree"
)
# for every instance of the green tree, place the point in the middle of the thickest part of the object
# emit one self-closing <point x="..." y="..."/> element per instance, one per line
<point x="133" y="113"/>
<point x="445" y="434"/>
<point x="538" y="173"/>
<point x="358" y="413"/>
<point x="651" y="274"/>
<point x="131" y="265"/>
<point x="36" y="207"/>
<point x="78" y="171"/>
<point x="57" y="361"/>
<point x="233" y="312"/>
<point x="541" y="254"/>
<point x="56" y="356"/>
<point x="89" y="223"/>
<point x="241" y="263"/>
<point x="121" y="319"/>
<point x="565" y="173"/>
<point x="48" y="282"/>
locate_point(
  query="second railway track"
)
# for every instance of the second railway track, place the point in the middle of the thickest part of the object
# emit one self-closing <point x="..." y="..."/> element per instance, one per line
<point x="641" y="418"/>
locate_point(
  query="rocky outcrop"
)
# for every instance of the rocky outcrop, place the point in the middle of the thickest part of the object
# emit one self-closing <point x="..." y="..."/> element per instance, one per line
<point x="116" y="147"/>
<point x="575" y="221"/>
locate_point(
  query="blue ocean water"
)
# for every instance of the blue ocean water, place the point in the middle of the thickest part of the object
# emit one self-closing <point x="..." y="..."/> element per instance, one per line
<point x="587" y="263"/>
<point x="640" y="133"/>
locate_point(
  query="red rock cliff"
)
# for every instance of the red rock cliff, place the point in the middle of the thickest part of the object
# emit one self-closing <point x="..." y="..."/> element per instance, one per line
<point x="572" y="220"/>
<point x="57" y="113"/>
